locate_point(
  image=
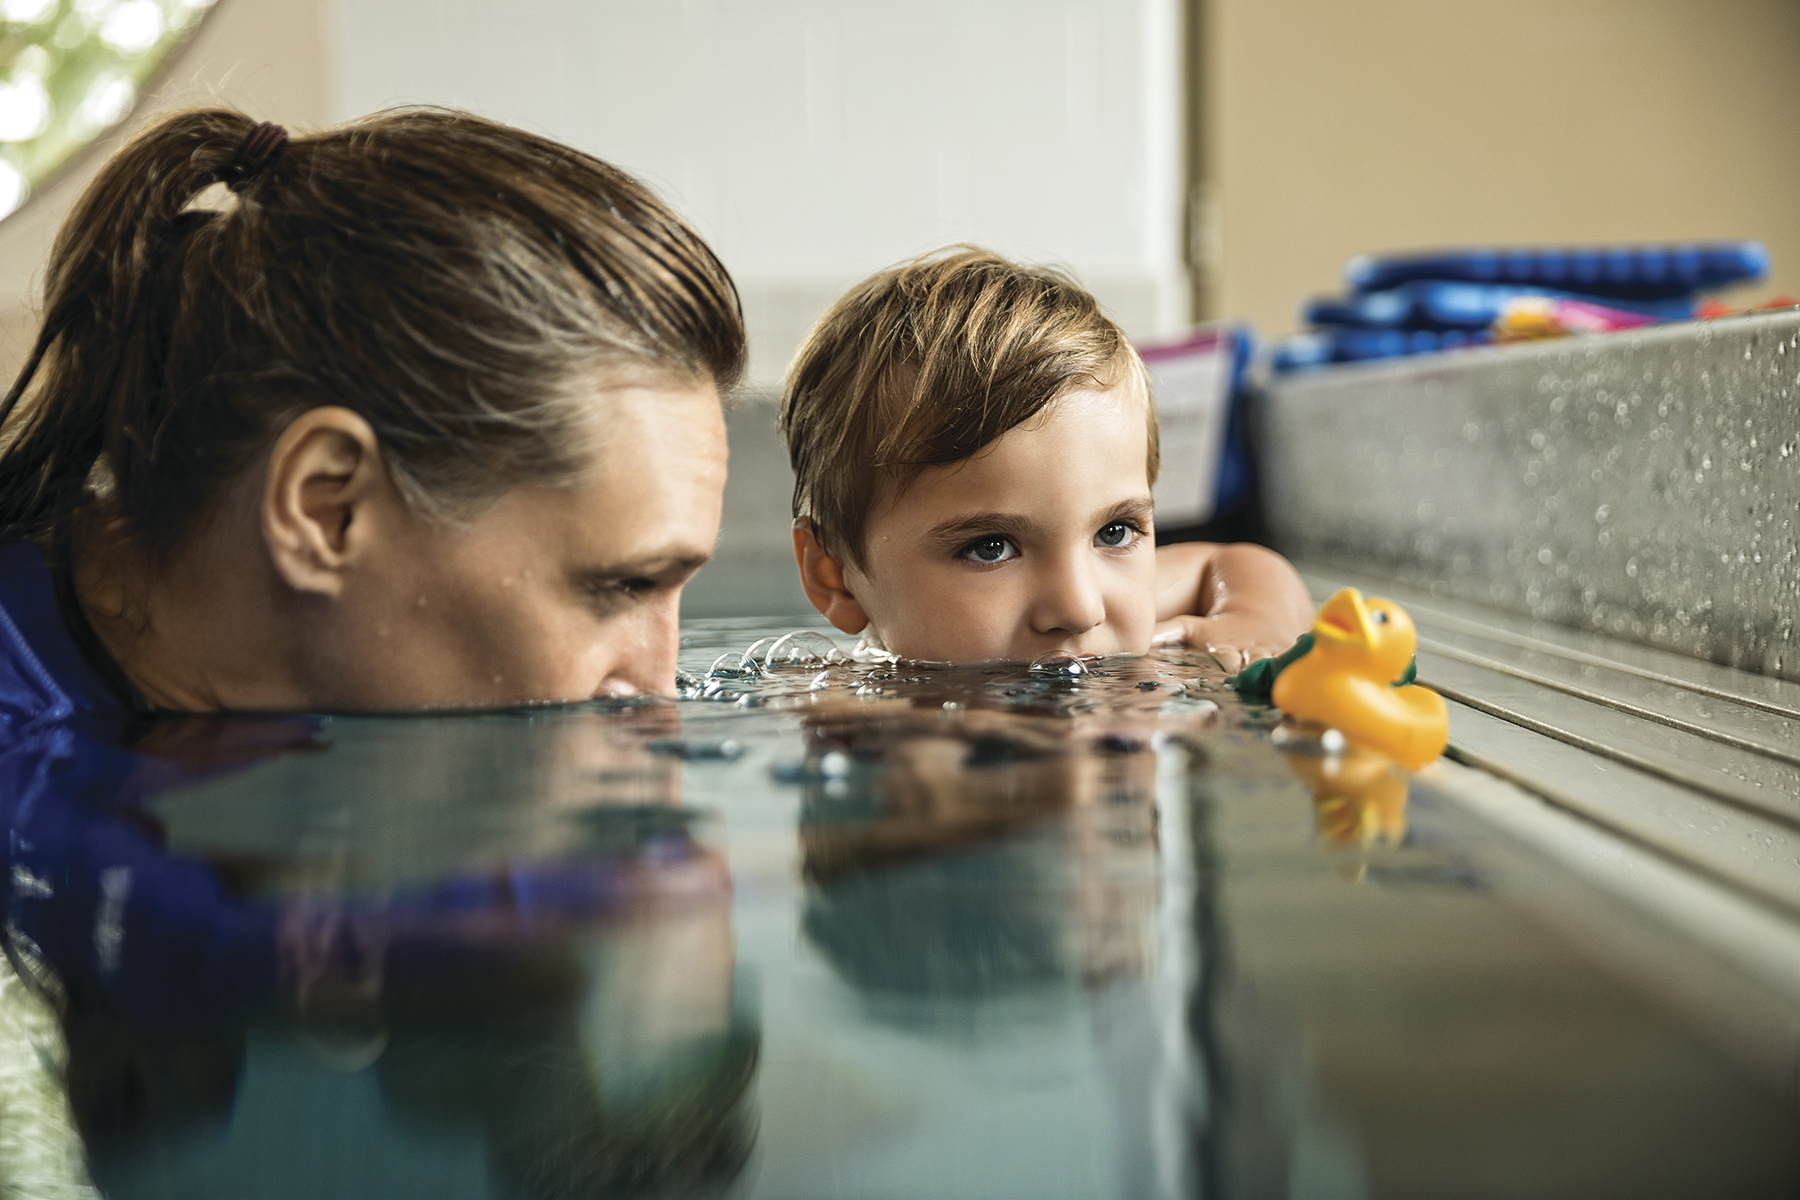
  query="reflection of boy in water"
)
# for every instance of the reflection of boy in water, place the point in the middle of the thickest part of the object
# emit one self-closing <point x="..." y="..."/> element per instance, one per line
<point x="978" y="856"/>
<point x="973" y="445"/>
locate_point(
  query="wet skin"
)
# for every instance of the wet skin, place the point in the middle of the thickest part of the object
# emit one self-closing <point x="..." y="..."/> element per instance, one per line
<point x="1040" y="542"/>
<point x="317" y="586"/>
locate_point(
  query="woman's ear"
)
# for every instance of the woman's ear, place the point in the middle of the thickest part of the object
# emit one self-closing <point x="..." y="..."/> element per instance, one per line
<point x="325" y="475"/>
<point x="823" y="578"/>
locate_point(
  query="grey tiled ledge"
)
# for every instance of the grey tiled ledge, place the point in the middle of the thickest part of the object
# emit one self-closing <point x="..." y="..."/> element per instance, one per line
<point x="1642" y="485"/>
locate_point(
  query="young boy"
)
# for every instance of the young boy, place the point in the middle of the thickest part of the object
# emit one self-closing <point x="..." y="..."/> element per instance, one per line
<point x="973" y="445"/>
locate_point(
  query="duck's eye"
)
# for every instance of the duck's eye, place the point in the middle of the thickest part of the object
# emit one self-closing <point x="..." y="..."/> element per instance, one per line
<point x="1114" y="535"/>
<point x="1379" y="617"/>
<point x="989" y="550"/>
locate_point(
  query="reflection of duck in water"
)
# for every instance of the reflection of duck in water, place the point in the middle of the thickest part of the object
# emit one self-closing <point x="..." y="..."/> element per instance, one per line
<point x="1359" y="796"/>
<point x="1346" y="681"/>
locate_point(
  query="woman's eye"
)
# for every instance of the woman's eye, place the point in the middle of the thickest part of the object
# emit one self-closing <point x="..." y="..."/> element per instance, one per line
<point x="1115" y="535"/>
<point x="990" y="550"/>
<point x="608" y="595"/>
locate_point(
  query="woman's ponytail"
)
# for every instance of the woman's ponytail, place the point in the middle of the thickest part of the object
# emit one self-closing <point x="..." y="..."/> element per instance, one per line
<point x="94" y="386"/>
<point x="457" y="283"/>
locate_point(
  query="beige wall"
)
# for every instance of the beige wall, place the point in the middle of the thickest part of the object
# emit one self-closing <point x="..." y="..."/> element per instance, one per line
<point x="265" y="56"/>
<point x="1327" y="129"/>
<point x="1335" y="128"/>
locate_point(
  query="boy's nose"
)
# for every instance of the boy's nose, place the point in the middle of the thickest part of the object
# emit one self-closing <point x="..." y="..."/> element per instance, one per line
<point x="1069" y="601"/>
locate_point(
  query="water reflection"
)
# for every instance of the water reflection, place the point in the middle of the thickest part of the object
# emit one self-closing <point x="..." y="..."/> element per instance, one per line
<point x="823" y="929"/>
<point x="970" y="854"/>
<point x="506" y="930"/>
<point x="1359" y="795"/>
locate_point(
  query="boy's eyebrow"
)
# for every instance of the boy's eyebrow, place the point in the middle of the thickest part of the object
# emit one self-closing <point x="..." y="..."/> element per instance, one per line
<point x="1016" y="525"/>
<point x="1137" y="508"/>
<point x="960" y="529"/>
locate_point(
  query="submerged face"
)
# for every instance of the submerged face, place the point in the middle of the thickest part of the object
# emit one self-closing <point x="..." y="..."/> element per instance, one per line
<point x="550" y="593"/>
<point x="1043" y="541"/>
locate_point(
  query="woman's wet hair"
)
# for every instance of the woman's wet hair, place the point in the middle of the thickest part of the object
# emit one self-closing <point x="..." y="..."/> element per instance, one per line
<point x="463" y="286"/>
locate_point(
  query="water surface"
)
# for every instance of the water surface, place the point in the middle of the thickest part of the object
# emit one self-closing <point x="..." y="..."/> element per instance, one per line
<point x="833" y="930"/>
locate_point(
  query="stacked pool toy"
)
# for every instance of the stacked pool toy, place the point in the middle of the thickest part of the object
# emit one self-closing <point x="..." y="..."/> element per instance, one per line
<point x="1407" y="304"/>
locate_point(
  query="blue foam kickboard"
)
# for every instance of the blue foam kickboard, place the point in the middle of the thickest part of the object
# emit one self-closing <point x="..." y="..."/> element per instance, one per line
<point x="1329" y="346"/>
<point x="1647" y="272"/>
<point x="1439" y="305"/>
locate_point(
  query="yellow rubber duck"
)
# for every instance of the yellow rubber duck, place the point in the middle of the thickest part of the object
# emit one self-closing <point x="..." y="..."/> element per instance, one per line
<point x="1346" y="682"/>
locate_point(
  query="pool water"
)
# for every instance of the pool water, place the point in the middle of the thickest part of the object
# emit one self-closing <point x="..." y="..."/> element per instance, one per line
<point x="836" y="929"/>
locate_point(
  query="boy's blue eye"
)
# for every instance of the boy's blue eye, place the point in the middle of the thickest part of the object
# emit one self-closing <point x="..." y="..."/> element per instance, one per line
<point x="1115" y="535"/>
<point x="990" y="550"/>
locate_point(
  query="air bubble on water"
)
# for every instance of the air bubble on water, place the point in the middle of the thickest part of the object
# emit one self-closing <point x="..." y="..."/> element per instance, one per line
<point x="733" y="665"/>
<point x="834" y="764"/>
<point x="835" y="676"/>
<point x="803" y="648"/>
<point x="1059" y="665"/>
<point x="688" y="685"/>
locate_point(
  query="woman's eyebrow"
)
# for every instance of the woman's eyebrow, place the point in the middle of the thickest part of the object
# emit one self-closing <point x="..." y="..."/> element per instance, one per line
<point x="960" y="529"/>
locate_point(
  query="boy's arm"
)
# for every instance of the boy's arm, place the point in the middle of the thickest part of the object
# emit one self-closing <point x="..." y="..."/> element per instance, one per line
<point x="1239" y="603"/>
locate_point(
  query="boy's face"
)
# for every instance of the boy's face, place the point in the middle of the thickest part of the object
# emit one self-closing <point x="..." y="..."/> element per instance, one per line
<point x="1042" y="541"/>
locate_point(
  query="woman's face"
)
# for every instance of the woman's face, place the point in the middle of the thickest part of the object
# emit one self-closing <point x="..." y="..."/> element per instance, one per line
<point x="552" y="593"/>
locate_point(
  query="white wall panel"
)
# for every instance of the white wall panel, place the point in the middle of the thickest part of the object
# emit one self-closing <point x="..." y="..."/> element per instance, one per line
<point x="815" y="141"/>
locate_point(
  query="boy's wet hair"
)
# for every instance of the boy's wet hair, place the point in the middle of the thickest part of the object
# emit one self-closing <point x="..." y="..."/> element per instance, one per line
<point x="926" y="363"/>
<point x="462" y="285"/>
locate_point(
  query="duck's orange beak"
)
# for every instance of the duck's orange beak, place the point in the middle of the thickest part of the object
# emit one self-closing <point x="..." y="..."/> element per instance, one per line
<point x="1343" y="620"/>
